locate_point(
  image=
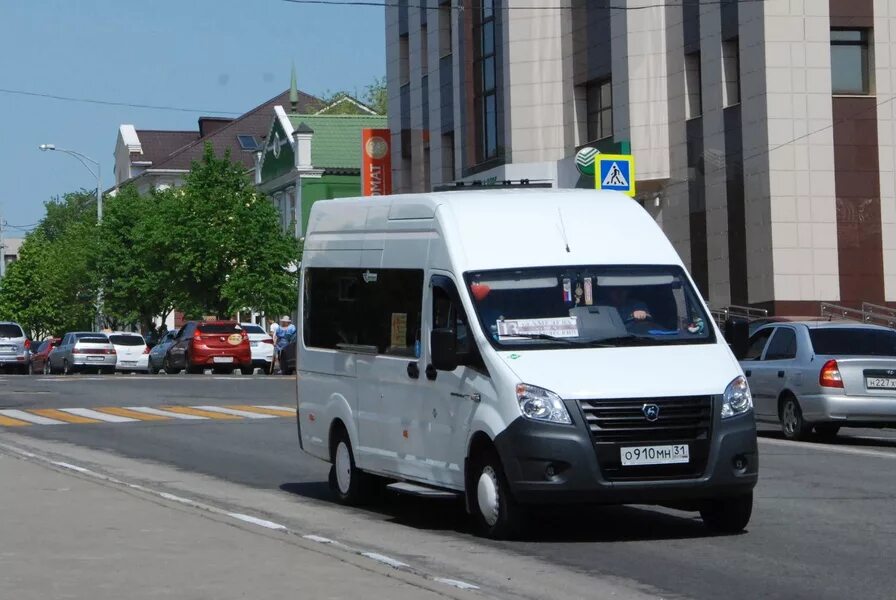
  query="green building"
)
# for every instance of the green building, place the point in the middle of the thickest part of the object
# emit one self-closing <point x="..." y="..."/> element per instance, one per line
<point x="307" y="158"/>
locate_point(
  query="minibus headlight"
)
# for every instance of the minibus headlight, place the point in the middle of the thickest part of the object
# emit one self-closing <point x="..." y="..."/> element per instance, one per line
<point x="540" y="404"/>
<point x="737" y="399"/>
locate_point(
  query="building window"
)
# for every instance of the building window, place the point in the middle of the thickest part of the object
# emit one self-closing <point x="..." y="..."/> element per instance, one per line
<point x="693" y="84"/>
<point x="850" y="61"/>
<point x="731" y="71"/>
<point x="599" y="99"/>
<point x="486" y="73"/>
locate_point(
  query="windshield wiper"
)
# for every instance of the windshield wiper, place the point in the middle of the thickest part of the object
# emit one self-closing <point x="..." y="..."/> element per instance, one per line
<point x="550" y="338"/>
<point x="623" y="340"/>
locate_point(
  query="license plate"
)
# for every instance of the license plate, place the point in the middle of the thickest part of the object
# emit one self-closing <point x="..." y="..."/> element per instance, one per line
<point x="880" y="383"/>
<point x="7" y="349"/>
<point x="654" y="455"/>
<point x="253" y="344"/>
<point x="223" y="359"/>
<point x="95" y="358"/>
<point x="128" y="363"/>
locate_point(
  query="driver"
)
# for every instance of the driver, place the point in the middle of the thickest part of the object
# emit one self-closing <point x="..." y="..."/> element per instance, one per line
<point x="629" y="309"/>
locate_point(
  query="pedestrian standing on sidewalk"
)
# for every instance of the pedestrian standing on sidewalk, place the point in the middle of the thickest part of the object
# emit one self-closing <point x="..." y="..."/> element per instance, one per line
<point x="281" y="339"/>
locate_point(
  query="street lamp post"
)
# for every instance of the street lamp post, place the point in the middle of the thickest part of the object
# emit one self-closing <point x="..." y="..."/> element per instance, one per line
<point x="84" y="160"/>
<point x="99" y="207"/>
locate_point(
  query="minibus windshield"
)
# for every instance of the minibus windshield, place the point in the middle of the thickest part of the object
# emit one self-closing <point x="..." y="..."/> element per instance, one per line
<point x="588" y="306"/>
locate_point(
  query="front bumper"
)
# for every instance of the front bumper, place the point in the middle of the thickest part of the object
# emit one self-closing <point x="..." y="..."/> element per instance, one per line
<point x="864" y="410"/>
<point x="527" y="450"/>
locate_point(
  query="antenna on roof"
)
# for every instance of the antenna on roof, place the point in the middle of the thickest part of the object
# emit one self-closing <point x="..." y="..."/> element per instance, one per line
<point x="563" y="229"/>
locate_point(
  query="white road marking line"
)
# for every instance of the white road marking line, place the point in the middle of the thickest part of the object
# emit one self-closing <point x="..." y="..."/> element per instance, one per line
<point x="93" y="414"/>
<point x="463" y="585"/>
<point x="830" y="448"/>
<point x="71" y="467"/>
<point x="318" y="539"/>
<point x="259" y="522"/>
<point x="25" y="416"/>
<point x="164" y="413"/>
<point x="395" y="564"/>
<point x="235" y="412"/>
<point x="272" y="407"/>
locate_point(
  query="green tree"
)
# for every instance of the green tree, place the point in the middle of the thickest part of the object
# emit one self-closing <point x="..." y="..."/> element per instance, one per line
<point x="226" y="248"/>
<point x="135" y="273"/>
<point x="52" y="288"/>
<point x="376" y="97"/>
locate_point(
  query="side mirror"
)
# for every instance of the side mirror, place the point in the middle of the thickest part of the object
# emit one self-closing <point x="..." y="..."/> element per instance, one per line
<point x="737" y="334"/>
<point x="443" y="347"/>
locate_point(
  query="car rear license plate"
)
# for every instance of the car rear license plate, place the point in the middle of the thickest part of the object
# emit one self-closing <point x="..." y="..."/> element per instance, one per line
<point x="880" y="383"/>
<point x="253" y="344"/>
<point x="95" y="358"/>
<point x="128" y="363"/>
<point x="7" y="349"/>
<point x="654" y="455"/>
<point x="223" y="359"/>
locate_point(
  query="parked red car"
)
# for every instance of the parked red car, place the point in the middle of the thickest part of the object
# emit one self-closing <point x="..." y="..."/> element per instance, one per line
<point x="40" y="363"/>
<point x="218" y="345"/>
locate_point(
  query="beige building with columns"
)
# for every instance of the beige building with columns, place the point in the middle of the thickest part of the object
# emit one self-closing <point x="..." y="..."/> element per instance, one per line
<point x="763" y="132"/>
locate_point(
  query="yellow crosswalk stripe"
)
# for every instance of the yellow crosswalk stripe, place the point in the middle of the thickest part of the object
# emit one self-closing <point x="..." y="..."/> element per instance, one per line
<point x="52" y="413"/>
<point x="186" y="410"/>
<point x="131" y="414"/>
<point x="264" y="411"/>
<point x="8" y="422"/>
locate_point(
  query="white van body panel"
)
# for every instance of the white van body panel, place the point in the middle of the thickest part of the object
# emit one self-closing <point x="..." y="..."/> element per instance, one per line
<point x="420" y="430"/>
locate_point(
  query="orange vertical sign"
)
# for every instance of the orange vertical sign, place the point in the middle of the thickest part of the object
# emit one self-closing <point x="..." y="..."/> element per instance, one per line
<point x="376" y="163"/>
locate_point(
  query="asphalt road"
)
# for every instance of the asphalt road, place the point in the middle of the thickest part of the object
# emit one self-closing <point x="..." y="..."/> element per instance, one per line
<point x="823" y="524"/>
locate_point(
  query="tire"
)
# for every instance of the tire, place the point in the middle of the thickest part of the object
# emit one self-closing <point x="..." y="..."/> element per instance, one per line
<point x="728" y="515"/>
<point x="494" y="510"/>
<point x="47" y="369"/>
<point x="66" y="369"/>
<point x="792" y="423"/>
<point x="168" y="368"/>
<point x="349" y="484"/>
<point x="193" y="369"/>
<point x="827" y="431"/>
<point x="250" y="370"/>
<point x="151" y="369"/>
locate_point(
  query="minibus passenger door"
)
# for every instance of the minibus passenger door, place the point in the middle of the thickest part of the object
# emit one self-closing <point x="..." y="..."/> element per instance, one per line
<point x="449" y="406"/>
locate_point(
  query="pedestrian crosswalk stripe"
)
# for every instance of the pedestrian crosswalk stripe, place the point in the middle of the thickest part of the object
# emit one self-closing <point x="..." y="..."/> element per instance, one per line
<point x="31" y="418"/>
<point x="199" y="413"/>
<point x="164" y="413"/>
<point x="135" y="414"/>
<point x="92" y="414"/>
<point x="276" y="411"/>
<point x="7" y="422"/>
<point x="59" y="415"/>
<point x="234" y="412"/>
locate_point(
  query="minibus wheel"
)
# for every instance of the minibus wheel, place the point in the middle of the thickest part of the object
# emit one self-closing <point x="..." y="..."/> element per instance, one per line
<point x="728" y="515"/>
<point x="346" y="481"/>
<point x="494" y="510"/>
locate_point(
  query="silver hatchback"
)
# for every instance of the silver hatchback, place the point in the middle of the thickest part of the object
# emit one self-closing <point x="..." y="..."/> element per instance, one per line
<point x="83" y="351"/>
<point x="822" y="376"/>
<point x="15" y="347"/>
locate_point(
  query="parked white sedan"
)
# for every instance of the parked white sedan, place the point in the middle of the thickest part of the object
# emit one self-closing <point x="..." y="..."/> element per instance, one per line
<point x="133" y="353"/>
<point x="262" y="346"/>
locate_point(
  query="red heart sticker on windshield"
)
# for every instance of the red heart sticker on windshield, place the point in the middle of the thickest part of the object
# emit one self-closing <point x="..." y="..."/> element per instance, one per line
<point x="480" y="291"/>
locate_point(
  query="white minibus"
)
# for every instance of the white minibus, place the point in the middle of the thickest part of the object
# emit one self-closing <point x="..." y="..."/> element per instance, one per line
<point x="518" y="348"/>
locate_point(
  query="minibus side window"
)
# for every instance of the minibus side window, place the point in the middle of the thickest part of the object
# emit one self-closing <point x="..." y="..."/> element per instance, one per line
<point x="448" y="313"/>
<point x="370" y="310"/>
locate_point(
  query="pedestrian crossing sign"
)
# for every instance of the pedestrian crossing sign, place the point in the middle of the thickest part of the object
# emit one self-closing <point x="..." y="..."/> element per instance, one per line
<point x="616" y="172"/>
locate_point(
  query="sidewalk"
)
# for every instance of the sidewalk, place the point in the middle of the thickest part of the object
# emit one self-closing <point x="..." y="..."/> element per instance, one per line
<point x="66" y="537"/>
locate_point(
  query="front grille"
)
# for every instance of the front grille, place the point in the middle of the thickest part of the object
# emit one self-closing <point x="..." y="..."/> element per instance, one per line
<point x="618" y="423"/>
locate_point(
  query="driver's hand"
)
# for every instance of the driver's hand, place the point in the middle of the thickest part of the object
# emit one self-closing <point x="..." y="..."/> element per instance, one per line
<point x="640" y="315"/>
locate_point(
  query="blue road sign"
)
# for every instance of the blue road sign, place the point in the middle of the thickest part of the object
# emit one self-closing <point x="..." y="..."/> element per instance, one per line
<point x="616" y="172"/>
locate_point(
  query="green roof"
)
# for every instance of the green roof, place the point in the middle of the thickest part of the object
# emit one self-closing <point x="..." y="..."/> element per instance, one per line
<point x="336" y="143"/>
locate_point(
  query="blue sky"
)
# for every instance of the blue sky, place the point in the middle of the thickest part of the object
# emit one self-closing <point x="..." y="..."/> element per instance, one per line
<point x="222" y="55"/>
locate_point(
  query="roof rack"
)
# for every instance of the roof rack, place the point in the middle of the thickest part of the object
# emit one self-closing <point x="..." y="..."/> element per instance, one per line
<point x="491" y="183"/>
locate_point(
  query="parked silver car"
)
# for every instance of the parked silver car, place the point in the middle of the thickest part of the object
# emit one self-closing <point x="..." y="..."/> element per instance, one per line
<point x="15" y="348"/>
<point x="809" y="375"/>
<point x="83" y="351"/>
